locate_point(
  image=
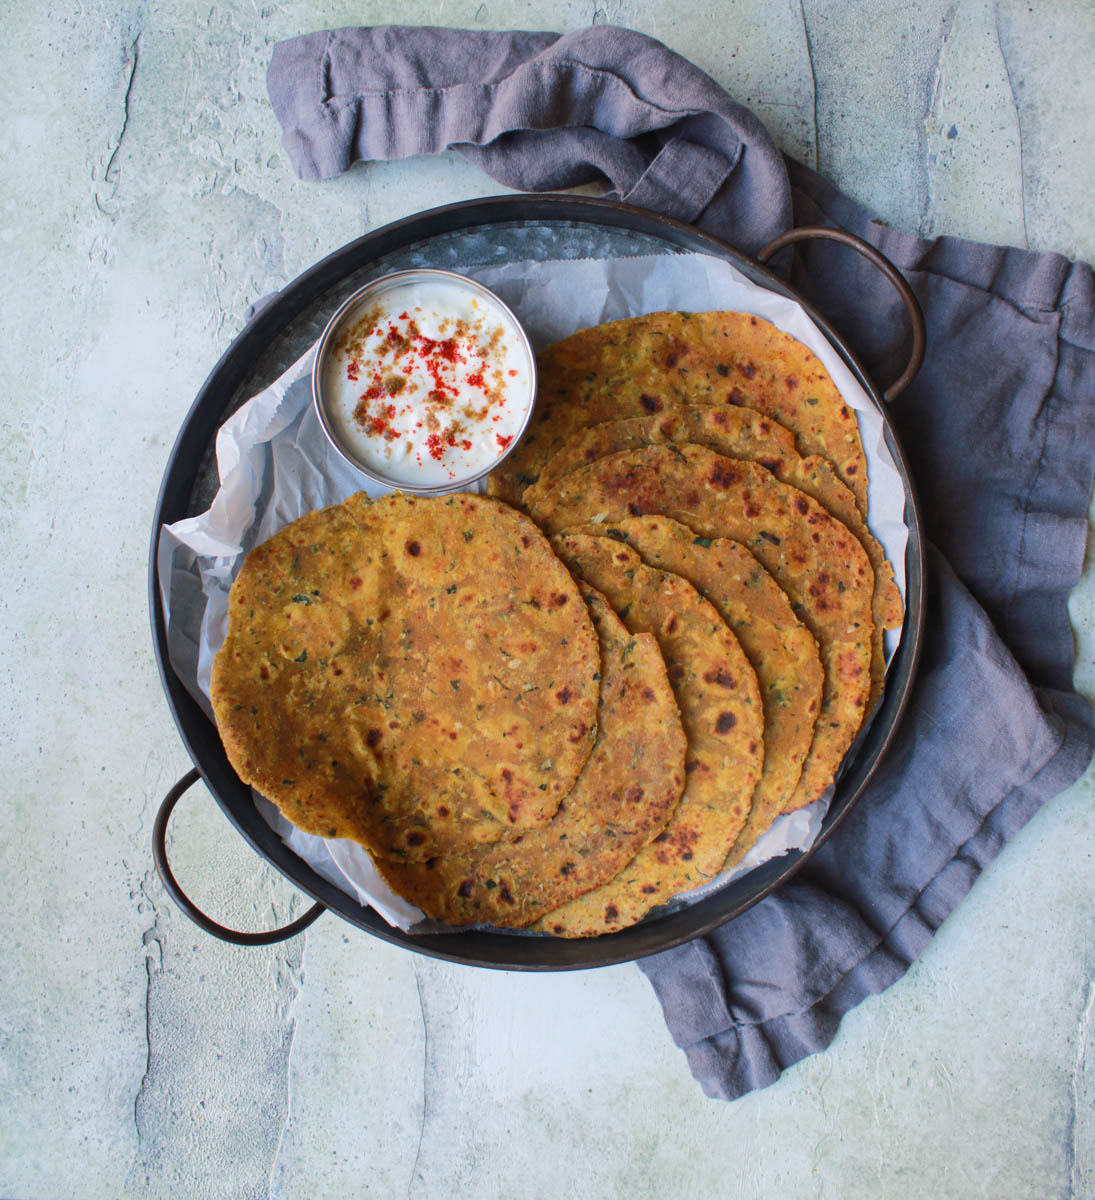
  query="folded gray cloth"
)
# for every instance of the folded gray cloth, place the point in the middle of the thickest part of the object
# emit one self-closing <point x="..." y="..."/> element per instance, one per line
<point x="537" y="112"/>
<point x="999" y="426"/>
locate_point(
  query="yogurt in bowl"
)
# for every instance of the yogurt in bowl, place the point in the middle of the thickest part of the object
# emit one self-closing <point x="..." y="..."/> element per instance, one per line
<point x="424" y="380"/>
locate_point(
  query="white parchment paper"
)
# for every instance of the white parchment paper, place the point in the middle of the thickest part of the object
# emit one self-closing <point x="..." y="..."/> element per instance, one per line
<point x="274" y="464"/>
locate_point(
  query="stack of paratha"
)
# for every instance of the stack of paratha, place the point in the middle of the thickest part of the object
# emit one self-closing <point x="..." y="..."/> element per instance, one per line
<point x="562" y="734"/>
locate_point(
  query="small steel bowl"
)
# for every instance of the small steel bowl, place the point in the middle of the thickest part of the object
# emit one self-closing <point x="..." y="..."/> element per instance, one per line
<point x="369" y="294"/>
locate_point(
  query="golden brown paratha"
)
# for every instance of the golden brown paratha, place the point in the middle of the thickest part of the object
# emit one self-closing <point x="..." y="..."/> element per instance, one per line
<point x="722" y="715"/>
<point x="625" y="794"/>
<point x="743" y="433"/>
<point x="649" y="364"/>
<point x="812" y="556"/>
<point x="780" y="649"/>
<point x="753" y="435"/>
<point x="411" y="673"/>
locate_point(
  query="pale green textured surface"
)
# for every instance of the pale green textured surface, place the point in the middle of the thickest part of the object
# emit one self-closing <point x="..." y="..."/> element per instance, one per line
<point x="146" y="202"/>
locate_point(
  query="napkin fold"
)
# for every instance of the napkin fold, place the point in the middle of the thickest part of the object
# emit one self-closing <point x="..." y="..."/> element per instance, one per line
<point x="537" y="112"/>
<point x="999" y="427"/>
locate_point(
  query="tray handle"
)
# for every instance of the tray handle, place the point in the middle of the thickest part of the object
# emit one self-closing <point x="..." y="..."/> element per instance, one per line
<point x="171" y="884"/>
<point x="908" y="297"/>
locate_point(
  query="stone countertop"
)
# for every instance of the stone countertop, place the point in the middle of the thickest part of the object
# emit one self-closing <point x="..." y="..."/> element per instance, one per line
<point x="146" y="203"/>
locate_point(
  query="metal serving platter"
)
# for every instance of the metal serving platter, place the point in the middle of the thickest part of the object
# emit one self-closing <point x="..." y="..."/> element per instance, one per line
<point x="455" y="237"/>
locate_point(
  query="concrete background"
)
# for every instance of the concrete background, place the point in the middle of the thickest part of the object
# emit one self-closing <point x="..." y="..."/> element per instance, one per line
<point x="146" y="201"/>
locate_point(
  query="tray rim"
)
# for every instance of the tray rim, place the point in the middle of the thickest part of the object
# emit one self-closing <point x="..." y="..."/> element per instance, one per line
<point x="476" y="947"/>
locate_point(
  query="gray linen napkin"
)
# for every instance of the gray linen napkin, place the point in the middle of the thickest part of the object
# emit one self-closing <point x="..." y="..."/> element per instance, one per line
<point x="999" y="426"/>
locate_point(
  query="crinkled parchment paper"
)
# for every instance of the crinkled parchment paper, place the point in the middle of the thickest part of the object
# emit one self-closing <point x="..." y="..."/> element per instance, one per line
<point x="275" y="464"/>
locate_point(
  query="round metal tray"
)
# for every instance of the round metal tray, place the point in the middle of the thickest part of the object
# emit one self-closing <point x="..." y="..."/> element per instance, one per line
<point x="497" y="229"/>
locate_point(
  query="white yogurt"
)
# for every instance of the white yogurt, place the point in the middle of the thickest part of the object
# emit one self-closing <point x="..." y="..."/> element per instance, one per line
<point x="427" y="382"/>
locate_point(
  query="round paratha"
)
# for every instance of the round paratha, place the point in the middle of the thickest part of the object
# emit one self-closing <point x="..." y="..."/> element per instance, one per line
<point x="722" y="716"/>
<point x="743" y="433"/>
<point x="645" y="365"/>
<point x="625" y="794"/>
<point x="812" y="556"/>
<point x="780" y="649"/>
<point x="410" y="673"/>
